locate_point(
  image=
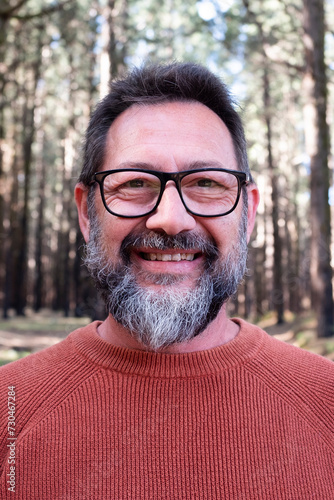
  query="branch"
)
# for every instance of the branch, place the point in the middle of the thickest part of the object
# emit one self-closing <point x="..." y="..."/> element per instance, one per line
<point x="10" y="11"/>
<point x="287" y="64"/>
<point x="288" y="7"/>
<point x="265" y="44"/>
<point x="44" y="12"/>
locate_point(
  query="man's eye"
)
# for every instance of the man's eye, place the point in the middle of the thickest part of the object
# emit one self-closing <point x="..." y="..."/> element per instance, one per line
<point x="136" y="183"/>
<point x="205" y="183"/>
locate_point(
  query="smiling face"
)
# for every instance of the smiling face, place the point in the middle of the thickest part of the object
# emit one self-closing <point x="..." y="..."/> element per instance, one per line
<point x="170" y="246"/>
<point x="171" y="137"/>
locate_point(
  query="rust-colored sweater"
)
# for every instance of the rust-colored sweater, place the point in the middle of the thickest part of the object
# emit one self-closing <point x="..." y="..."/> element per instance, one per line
<point x="252" y="419"/>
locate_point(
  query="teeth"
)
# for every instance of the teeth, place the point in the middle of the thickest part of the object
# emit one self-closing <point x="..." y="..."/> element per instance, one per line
<point x="166" y="257"/>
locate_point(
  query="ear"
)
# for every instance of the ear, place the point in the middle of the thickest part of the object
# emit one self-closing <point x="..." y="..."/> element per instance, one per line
<point x="81" y="195"/>
<point x="253" y="202"/>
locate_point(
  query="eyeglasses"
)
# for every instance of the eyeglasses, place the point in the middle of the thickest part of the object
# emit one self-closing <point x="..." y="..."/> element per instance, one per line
<point x="205" y="192"/>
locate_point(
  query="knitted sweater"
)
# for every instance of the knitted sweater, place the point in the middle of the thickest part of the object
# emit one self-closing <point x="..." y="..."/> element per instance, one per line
<point x="252" y="419"/>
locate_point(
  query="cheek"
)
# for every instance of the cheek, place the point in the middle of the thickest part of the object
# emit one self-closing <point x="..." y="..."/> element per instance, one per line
<point x="114" y="230"/>
<point x="224" y="231"/>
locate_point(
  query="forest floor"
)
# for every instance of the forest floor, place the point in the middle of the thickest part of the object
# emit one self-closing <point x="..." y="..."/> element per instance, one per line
<point x="20" y="336"/>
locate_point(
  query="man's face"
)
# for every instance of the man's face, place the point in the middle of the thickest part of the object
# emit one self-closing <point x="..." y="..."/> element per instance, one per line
<point x="171" y="137"/>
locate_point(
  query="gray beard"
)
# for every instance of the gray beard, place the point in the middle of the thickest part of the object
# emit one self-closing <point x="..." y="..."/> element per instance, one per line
<point x="158" y="319"/>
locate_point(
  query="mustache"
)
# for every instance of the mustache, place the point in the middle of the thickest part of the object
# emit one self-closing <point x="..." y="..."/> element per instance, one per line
<point x="162" y="241"/>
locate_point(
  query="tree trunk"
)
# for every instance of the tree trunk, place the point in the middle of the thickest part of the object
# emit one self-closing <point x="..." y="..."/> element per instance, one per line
<point x="3" y="30"/>
<point x="39" y="237"/>
<point x="277" y="298"/>
<point x="292" y="236"/>
<point x="317" y="143"/>
<point x="117" y="21"/>
<point x="10" y="242"/>
<point x="29" y="133"/>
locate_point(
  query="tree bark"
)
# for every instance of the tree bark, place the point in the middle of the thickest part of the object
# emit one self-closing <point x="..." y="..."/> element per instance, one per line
<point x="117" y="21"/>
<point x="317" y="142"/>
<point x="29" y="133"/>
<point x="277" y="298"/>
<point x="39" y="235"/>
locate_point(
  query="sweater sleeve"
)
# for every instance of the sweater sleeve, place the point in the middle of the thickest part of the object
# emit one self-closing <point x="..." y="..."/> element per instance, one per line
<point x="302" y="380"/>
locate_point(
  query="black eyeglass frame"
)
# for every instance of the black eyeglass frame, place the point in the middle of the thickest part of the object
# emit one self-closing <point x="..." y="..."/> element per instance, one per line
<point x="164" y="177"/>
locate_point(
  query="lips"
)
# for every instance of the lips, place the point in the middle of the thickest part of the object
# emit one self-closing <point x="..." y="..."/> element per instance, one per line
<point x="166" y="257"/>
<point x="180" y="252"/>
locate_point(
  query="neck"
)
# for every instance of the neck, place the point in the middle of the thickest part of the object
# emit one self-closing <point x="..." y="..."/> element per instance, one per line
<point x="218" y="332"/>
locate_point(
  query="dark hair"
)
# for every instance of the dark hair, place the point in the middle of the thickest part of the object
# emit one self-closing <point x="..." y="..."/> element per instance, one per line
<point x="158" y="84"/>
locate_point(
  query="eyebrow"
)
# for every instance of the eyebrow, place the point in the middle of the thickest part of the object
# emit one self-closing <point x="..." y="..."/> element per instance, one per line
<point x="188" y="166"/>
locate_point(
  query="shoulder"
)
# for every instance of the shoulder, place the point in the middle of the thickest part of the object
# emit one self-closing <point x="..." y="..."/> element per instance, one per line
<point x="296" y="361"/>
<point x="301" y="379"/>
<point x="43" y="380"/>
<point x="38" y="366"/>
<point x="287" y="361"/>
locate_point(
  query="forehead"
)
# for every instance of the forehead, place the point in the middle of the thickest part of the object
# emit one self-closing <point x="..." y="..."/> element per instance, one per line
<point x="169" y="136"/>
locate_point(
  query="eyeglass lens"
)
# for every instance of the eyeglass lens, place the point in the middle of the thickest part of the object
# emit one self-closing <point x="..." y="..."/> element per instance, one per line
<point x="133" y="193"/>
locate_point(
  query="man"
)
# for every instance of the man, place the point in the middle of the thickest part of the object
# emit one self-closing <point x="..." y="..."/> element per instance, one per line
<point x="168" y="398"/>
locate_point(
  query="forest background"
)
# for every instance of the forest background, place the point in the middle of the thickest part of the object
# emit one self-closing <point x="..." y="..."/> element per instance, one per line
<point x="56" y="59"/>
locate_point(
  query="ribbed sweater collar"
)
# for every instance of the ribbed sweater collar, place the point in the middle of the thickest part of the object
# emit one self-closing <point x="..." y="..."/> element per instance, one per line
<point x="236" y="352"/>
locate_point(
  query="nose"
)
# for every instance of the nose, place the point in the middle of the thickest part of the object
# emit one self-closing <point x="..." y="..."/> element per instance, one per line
<point x="171" y="215"/>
